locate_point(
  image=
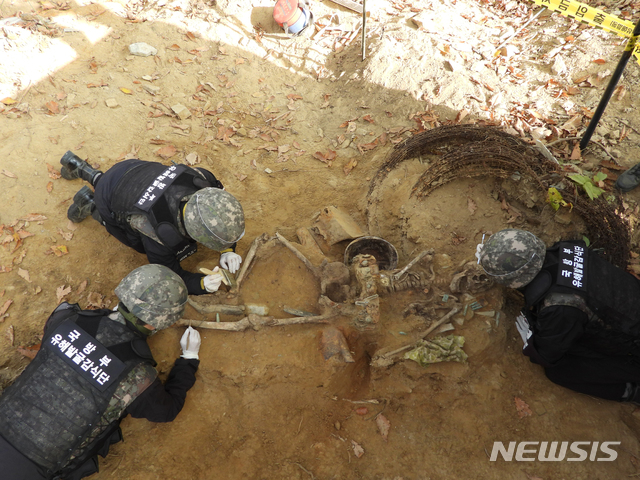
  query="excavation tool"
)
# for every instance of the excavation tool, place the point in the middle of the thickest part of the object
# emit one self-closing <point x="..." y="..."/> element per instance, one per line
<point x="227" y="277"/>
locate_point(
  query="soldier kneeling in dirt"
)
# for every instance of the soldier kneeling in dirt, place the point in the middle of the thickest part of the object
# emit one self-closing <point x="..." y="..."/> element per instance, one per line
<point x="581" y="319"/>
<point x="161" y="211"/>
<point x="94" y="368"/>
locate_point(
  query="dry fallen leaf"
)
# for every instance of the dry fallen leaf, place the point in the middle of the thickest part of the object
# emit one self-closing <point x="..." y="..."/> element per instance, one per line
<point x="59" y="250"/>
<point x="600" y="61"/>
<point x="620" y="92"/>
<point x="18" y="260"/>
<point x="126" y="91"/>
<point x="24" y="274"/>
<point x="364" y="147"/>
<point x="457" y="239"/>
<point x="29" y="352"/>
<point x="50" y="187"/>
<point x="573" y="124"/>
<point x="95" y="301"/>
<point x="82" y="287"/>
<point x="52" y="107"/>
<point x="323" y="158"/>
<point x="167" y="151"/>
<point x="576" y="153"/>
<point x="192" y="158"/>
<point x="62" y="292"/>
<point x="461" y="115"/>
<point x="350" y="165"/>
<point x="66" y="235"/>
<point x="71" y="226"/>
<point x="522" y="408"/>
<point x="5" y="307"/>
<point x="53" y="173"/>
<point x="8" y="101"/>
<point x="383" y="426"/>
<point x="357" y="449"/>
<point x="7" y="173"/>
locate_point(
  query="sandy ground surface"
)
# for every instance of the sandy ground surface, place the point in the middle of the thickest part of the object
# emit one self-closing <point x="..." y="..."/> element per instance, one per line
<point x="292" y="126"/>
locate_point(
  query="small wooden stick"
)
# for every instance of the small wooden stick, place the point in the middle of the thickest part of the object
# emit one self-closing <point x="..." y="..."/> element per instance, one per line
<point x="297" y="253"/>
<point x="248" y="260"/>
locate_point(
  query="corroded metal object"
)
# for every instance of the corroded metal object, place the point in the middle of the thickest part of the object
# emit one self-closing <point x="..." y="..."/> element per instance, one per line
<point x="365" y="268"/>
<point x="369" y="313"/>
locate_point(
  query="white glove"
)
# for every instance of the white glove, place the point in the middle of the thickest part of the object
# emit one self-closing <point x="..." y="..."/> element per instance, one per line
<point x="190" y="343"/>
<point x="522" y="324"/>
<point x="479" y="251"/>
<point x="231" y="261"/>
<point x="212" y="282"/>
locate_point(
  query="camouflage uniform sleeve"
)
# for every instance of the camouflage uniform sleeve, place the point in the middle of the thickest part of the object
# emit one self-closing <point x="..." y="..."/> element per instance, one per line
<point x="162" y="403"/>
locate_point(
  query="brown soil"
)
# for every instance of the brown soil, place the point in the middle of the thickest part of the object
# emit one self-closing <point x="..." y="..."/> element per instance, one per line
<point x="267" y="404"/>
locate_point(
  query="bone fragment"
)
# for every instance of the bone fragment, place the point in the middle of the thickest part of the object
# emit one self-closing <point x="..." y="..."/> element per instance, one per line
<point x="423" y="254"/>
<point x="297" y="253"/>
<point x="248" y="260"/>
<point x="385" y="360"/>
<point x="254" y="321"/>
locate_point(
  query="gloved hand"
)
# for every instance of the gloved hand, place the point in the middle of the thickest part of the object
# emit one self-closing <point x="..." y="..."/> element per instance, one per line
<point x="231" y="261"/>
<point x="190" y="343"/>
<point x="479" y="251"/>
<point x="212" y="282"/>
<point x="522" y="324"/>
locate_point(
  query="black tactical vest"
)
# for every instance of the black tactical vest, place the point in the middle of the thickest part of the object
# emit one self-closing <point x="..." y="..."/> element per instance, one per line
<point x="156" y="191"/>
<point x="50" y="412"/>
<point x="610" y="297"/>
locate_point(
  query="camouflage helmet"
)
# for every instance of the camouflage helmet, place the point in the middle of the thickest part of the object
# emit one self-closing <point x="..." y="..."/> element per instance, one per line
<point x="214" y="218"/>
<point x="155" y="294"/>
<point x="513" y="257"/>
